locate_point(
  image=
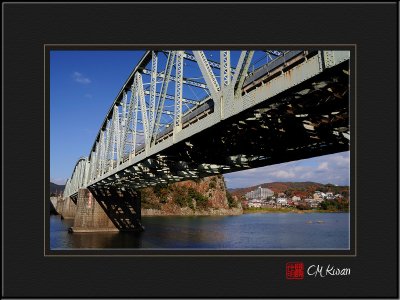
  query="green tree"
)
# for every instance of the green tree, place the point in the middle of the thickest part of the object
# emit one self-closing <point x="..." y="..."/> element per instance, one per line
<point x="201" y="201"/>
<point x="180" y="200"/>
<point x="303" y="206"/>
<point x="231" y="200"/>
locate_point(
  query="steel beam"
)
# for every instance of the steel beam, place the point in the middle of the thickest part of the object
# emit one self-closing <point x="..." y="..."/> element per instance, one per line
<point x="128" y="126"/>
<point x="143" y="107"/>
<point x="124" y="118"/>
<point x="135" y="117"/>
<point x="161" y="100"/>
<point x="178" y="91"/>
<point x="173" y="78"/>
<point x="226" y="68"/>
<point x="153" y="91"/>
<point x="171" y="97"/>
<point x="208" y="74"/>
<point x="244" y="70"/>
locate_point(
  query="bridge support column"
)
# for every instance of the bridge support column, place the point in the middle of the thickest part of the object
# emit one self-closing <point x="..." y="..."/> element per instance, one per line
<point x="123" y="208"/>
<point x="90" y="217"/>
<point x="53" y="205"/>
<point x="68" y="209"/>
<point x="59" y="206"/>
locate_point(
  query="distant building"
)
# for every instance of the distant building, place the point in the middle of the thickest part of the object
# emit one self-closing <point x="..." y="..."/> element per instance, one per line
<point x="314" y="203"/>
<point x="259" y="193"/>
<point x="296" y="198"/>
<point x="319" y="195"/>
<point x="329" y="196"/>
<point x="255" y="203"/>
<point x="282" y="201"/>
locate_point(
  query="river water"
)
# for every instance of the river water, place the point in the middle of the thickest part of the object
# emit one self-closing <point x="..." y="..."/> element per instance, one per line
<point x="248" y="231"/>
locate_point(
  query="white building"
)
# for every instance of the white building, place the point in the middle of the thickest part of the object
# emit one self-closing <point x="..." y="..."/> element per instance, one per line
<point x="296" y="198"/>
<point x="319" y="195"/>
<point x="259" y="193"/>
<point x="255" y="203"/>
<point x="329" y="195"/>
<point x="281" y="201"/>
<point x="314" y="203"/>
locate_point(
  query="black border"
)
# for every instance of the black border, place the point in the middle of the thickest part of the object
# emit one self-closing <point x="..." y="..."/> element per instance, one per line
<point x="27" y="27"/>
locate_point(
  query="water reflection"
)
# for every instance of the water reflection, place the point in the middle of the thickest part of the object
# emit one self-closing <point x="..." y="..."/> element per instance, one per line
<point x="249" y="231"/>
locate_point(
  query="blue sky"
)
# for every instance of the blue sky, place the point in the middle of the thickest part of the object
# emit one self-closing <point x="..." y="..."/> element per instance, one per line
<point x="84" y="84"/>
<point x="333" y="168"/>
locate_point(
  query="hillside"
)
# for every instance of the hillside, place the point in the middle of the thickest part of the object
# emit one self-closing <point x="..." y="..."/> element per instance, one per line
<point x="302" y="189"/>
<point x="56" y="188"/>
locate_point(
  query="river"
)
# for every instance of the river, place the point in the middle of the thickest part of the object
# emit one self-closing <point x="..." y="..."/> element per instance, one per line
<point x="248" y="231"/>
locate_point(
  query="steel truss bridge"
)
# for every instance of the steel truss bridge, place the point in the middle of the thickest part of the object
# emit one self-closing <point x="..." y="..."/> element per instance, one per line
<point x="187" y="114"/>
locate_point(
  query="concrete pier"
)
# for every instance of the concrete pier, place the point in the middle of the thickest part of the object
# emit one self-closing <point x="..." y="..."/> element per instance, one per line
<point x="123" y="208"/>
<point x="53" y="205"/>
<point x="68" y="209"/>
<point x="59" y="205"/>
<point x="90" y="216"/>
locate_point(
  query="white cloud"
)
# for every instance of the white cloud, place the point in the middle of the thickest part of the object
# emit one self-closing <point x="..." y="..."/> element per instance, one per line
<point x="307" y="175"/>
<point x="78" y="77"/>
<point x="341" y="160"/>
<point x="283" y="174"/>
<point x="323" y="166"/>
<point x="299" y="168"/>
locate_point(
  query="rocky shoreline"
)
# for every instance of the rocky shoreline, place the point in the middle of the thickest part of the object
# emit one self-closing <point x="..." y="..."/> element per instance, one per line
<point x="207" y="196"/>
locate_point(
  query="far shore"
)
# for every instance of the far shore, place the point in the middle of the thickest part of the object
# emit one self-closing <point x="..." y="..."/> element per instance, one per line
<point x="158" y="213"/>
<point x="288" y="210"/>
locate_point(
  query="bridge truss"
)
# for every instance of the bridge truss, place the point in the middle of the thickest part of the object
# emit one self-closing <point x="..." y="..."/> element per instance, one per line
<point x="173" y="95"/>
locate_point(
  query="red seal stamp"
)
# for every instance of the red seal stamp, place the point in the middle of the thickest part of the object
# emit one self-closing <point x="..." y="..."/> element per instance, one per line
<point x="295" y="270"/>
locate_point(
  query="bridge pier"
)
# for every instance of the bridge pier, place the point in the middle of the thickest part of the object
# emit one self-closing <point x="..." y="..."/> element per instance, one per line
<point x="53" y="205"/>
<point x="68" y="208"/>
<point x="90" y="217"/>
<point x="59" y="205"/>
<point x="122" y="207"/>
<point x="107" y="210"/>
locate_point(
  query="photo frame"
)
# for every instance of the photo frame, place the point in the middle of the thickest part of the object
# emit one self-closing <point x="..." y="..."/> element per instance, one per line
<point x="314" y="50"/>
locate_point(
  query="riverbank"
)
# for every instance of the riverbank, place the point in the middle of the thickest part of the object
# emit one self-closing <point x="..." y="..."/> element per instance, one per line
<point x="186" y="211"/>
<point x="267" y="210"/>
<point x="231" y="212"/>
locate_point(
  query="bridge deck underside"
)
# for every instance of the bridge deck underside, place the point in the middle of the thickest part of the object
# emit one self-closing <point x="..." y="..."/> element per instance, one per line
<point x="308" y="120"/>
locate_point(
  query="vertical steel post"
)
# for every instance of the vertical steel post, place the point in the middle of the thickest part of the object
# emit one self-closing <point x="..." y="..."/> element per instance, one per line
<point x="178" y="91"/>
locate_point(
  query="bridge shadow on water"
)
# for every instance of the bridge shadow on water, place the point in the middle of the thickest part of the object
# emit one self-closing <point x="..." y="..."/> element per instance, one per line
<point x="107" y="240"/>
